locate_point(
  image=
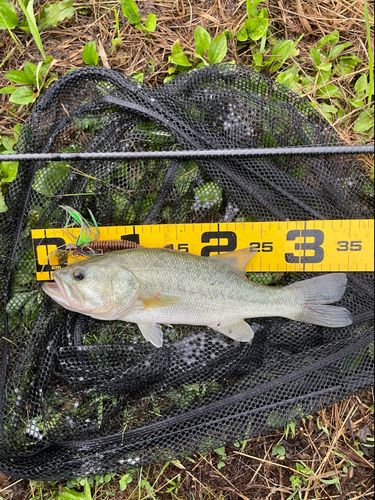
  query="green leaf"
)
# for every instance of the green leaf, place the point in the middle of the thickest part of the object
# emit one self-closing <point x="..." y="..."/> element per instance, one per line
<point x="180" y="59"/>
<point x="8" y="16"/>
<point x="315" y="54"/>
<point x="18" y="76"/>
<point x="176" y="48"/>
<point x="242" y="35"/>
<point x="361" y="86"/>
<point x="49" y="180"/>
<point x="278" y="449"/>
<point x="220" y="465"/>
<point x="90" y="54"/>
<point x="29" y="14"/>
<point x="150" y="23"/>
<point x="130" y="10"/>
<point x="347" y="64"/>
<point x="328" y="91"/>
<point x="258" y="59"/>
<point x="54" y="13"/>
<point x="22" y="95"/>
<point x="138" y="75"/>
<point x="68" y="494"/>
<point x="202" y="40"/>
<point x="325" y="66"/>
<point x="337" y="49"/>
<point x="8" y="90"/>
<point x="8" y="171"/>
<point x="124" y="481"/>
<point x="364" y="122"/>
<point x="256" y="27"/>
<point x="332" y="39"/>
<point x="3" y="206"/>
<point x="251" y="4"/>
<point x="168" y="78"/>
<point x="218" y="49"/>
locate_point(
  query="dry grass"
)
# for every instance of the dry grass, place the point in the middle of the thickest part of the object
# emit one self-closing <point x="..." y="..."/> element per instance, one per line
<point x="252" y="473"/>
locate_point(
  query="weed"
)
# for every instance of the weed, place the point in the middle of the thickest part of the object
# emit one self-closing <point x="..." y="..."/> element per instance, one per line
<point x="223" y="456"/>
<point x="33" y="79"/>
<point x="131" y="12"/>
<point x="206" y="52"/>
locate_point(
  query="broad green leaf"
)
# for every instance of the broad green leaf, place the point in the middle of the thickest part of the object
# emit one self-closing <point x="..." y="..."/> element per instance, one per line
<point x="130" y="10"/>
<point x="332" y="39"/>
<point x="18" y="76"/>
<point x="68" y="494"/>
<point x="8" y="90"/>
<point x="242" y="35"/>
<point x="218" y="49"/>
<point x="168" y="78"/>
<point x="138" y="75"/>
<point x="124" y="481"/>
<point x="337" y="49"/>
<point x="347" y="64"/>
<point x="278" y="449"/>
<point x="258" y="59"/>
<point x="256" y="27"/>
<point x="30" y="70"/>
<point x="328" y="110"/>
<point x="49" y="180"/>
<point x="202" y="40"/>
<point x="361" y="85"/>
<point x="176" y="48"/>
<point x="54" y="13"/>
<point x="252" y="4"/>
<point x="8" y="16"/>
<point x="315" y="54"/>
<point x="22" y="95"/>
<point x="264" y="13"/>
<point x="3" y="207"/>
<point x="364" y="122"/>
<point x="8" y="143"/>
<point x="325" y="66"/>
<point x="90" y="54"/>
<point x="280" y="53"/>
<point x="8" y="171"/>
<point x="329" y="91"/>
<point x="150" y="23"/>
<point x="356" y="103"/>
<point x="180" y="59"/>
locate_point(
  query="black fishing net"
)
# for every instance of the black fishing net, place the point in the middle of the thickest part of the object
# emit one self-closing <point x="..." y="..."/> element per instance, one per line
<point x="80" y="396"/>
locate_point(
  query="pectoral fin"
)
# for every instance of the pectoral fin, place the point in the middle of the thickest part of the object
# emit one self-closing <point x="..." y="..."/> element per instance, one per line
<point x="157" y="301"/>
<point x="238" y="259"/>
<point x="240" y="331"/>
<point x="152" y="332"/>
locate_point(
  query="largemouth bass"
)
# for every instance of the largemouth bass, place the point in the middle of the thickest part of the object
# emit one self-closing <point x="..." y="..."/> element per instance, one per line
<point x="149" y="286"/>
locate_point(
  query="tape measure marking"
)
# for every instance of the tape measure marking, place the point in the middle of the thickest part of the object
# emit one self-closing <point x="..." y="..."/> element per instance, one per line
<point x="292" y="246"/>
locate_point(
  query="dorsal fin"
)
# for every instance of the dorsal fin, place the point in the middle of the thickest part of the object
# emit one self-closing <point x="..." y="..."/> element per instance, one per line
<point x="237" y="259"/>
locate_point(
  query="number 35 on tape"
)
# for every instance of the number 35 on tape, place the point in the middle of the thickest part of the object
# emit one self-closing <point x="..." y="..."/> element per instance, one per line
<point x="329" y="245"/>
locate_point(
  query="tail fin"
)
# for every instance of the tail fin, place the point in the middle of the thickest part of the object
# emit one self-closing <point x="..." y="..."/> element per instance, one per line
<point x="316" y="292"/>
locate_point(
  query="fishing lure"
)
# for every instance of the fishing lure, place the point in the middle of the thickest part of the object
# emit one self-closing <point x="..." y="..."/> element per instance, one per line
<point x="86" y="244"/>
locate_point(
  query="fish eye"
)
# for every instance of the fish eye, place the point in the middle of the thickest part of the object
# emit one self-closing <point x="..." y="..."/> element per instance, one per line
<point x="78" y="274"/>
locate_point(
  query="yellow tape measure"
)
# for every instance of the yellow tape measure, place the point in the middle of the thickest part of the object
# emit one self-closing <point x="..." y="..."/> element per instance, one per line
<point x="328" y="245"/>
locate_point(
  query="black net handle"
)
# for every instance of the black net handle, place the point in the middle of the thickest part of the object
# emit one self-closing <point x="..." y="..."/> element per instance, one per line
<point x="302" y="150"/>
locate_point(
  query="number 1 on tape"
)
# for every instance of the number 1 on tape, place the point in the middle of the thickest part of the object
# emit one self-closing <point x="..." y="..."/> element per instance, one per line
<point x="319" y="246"/>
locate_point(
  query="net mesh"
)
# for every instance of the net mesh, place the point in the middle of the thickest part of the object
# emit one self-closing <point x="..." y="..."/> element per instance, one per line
<point x="80" y="396"/>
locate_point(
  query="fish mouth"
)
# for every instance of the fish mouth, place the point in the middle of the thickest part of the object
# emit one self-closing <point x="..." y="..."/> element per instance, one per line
<point x="58" y="292"/>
